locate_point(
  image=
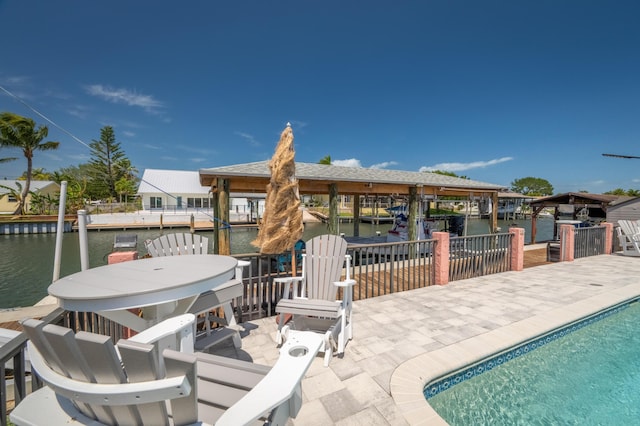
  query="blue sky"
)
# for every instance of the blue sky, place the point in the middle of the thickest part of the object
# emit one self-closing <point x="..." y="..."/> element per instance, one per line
<point x="494" y="90"/>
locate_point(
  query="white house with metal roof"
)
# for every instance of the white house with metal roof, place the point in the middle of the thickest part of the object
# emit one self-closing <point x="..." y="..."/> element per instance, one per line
<point x="180" y="190"/>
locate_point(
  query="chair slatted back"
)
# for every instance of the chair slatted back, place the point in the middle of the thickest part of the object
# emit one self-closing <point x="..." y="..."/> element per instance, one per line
<point x="64" y="355"/>
<point x="178" y="244"/>
<point x="630" y="229"/>
<point x="322" y="265"/>
<point x="89" y="357"/>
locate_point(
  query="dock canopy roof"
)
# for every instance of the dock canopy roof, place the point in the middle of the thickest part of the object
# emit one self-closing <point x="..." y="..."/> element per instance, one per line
<point x="578" y="199"/>
<point x="314" y="178"/>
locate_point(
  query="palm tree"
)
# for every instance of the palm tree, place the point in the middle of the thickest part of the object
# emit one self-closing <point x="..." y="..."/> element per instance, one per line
<point x="11" y="192"/>
<point x="325" y="160"/>
<point x="20" y="132"/>
<point x="37" y="174"/>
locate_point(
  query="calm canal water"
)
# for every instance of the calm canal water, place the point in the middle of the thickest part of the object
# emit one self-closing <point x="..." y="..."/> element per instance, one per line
<point x="26" y="261"/>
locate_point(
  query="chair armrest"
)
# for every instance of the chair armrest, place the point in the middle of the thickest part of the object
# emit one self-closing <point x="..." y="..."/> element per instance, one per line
<point x="286" y="280"/>
<point x="345" y="283"/>
<point x="178" y="332"/>
<point x="169" y="327"/>
<point x="108" y="394"/>
<point x="280" y="384"/>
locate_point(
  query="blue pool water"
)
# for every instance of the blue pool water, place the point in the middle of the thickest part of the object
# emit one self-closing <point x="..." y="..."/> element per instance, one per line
<point x="587" y="375"/>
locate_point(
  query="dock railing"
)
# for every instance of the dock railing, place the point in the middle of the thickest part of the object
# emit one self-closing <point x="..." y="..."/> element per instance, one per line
<point x="575" y="243"/>
<point x="382" y="268"/>
<point x="478" y="255"/>
<point x="589" y="241"/>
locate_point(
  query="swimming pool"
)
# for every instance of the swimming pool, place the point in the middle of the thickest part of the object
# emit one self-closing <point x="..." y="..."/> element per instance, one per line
<point x="586" y="373"/>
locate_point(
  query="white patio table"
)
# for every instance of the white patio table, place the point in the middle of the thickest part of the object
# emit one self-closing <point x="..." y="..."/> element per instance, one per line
<point x="162" y="286"/>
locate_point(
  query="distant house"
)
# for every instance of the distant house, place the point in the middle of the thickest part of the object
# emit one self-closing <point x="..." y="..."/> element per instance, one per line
<point x="9" y="203"/>
<point x="180" y="190"/>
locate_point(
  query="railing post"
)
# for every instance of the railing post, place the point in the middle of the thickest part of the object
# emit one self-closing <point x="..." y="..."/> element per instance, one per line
<point x="608" y="237"/>
<point x="392" y="263"/>
<point x="441" y="258"/>
<point x="567" y="243"/>
<point x="516" y="251"/>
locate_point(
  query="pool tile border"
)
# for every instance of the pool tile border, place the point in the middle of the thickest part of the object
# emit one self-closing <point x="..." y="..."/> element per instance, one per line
<point x="409" y="379"/>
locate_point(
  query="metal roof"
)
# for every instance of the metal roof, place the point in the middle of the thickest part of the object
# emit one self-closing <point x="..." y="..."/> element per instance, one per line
<point x="310" y="173"/>
<point x="172" y="182"/>
<point x="575" y="198"/>
<point x="34" y="185"/>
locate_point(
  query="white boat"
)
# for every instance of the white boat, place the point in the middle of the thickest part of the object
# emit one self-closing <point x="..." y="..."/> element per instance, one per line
<point x="400" y="229"/>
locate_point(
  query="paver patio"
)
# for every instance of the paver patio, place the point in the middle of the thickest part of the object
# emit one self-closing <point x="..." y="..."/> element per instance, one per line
<point x="437" y="321"/>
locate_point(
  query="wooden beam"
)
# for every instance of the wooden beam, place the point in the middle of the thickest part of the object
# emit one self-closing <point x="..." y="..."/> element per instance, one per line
<point x="216" y="217"/>
<point x="258" y="185"/>
<point x="333" y="209"/>
<point x="494" y="213"/>
<point x="224" y="236"/>
<point x="413" y="214"/>
<point x="356" y="215"/>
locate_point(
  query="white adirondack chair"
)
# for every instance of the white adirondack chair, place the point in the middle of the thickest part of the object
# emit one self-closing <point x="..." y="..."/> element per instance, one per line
<point x="89" y="381"/>
<point x="180" y="244"/>
<point x="310" y="300"/>
<point x="629" y="237"/>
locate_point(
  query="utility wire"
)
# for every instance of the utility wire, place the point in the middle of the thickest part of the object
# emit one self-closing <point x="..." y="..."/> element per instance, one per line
<point x="620" y="156"/>
<point x="23" y="102"/>
<point x="43" y="116"/>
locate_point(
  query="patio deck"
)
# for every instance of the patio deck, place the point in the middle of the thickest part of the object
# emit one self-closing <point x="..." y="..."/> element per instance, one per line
<point x="403" y="338"/>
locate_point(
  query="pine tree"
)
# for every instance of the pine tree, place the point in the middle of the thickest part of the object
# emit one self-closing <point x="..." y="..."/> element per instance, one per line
<point x="106" y="157"/>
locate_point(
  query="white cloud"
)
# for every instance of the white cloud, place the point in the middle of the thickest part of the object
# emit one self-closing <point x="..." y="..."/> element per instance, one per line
<point x="458" y="167"/>
<point x="352" y="162"/>
<point x="200" y="151"/>
<point x="198" y="160"/>
<point x="124" y="96"/>
<point x="80" y="157"/>
<point x="249" y="138"/>
<point x="79" y="111"/>
<point x="383" y="165"/>
<point x="52" y="156"/>
<point x="149" y="146"/>
<point x="298" y="125"/>
<point x="16" y="80"/>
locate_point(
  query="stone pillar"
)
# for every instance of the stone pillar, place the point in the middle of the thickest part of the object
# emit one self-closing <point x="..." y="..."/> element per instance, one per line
<point x="567" y="243"/>
<point x="608" y="237"/>
<point x="441" y="258"/>
<point x="121" y="256"/>
<point x="516" y="255"/>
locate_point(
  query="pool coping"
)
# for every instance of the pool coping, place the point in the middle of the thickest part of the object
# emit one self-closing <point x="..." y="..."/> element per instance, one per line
<point x="410" y="378"/>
